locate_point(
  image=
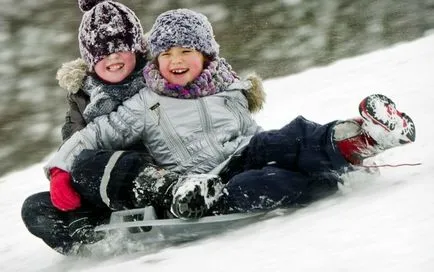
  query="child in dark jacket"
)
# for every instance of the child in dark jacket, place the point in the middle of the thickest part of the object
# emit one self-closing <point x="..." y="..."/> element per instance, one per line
<point x="113" y="54"/>
<point x="113" y="50"/>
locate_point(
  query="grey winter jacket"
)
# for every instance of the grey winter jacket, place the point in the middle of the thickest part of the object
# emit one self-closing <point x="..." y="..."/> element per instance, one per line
<point x="184" y="135"/>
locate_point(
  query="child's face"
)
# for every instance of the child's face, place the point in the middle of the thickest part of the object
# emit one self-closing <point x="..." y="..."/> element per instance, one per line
<point x="116" y="67"/>
<point x="180" y="65"/>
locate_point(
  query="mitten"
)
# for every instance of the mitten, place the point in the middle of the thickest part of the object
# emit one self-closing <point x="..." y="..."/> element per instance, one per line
<point x="63" y="196"/>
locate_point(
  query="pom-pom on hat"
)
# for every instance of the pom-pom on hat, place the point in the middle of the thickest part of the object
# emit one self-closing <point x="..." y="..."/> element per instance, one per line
<point x="107" y="27"/>
<point x="183" y="28"/>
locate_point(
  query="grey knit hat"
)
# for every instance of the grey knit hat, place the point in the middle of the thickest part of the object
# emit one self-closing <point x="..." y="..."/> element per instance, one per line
<point x="108" y="27"/>
<point x="183" y="28"/>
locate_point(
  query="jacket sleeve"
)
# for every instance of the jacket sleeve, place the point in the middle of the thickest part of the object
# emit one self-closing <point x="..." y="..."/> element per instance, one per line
<point x="74" y="120"/>
<point x="117" y="130"/>
<point x="250" y="127"/>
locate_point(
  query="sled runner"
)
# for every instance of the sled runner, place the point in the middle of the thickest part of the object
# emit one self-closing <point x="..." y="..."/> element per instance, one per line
<point x="143" y="224"/>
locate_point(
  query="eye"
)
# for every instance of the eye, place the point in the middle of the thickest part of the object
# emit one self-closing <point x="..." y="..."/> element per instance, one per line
<point x="186" y="51"/>
<point x="164" y="54"/>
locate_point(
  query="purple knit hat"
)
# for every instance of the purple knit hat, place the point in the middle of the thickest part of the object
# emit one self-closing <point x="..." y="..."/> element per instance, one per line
<point x="183" y="28"/>
<point x="108" y="27"/>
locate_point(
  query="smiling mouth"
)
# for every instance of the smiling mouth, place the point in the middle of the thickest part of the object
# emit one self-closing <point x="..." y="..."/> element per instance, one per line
<point x="179" y="71"/>
<point x="115" y="67"/>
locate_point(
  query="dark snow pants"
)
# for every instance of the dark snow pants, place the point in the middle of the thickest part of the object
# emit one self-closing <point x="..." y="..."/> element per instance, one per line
<point x="105" y="177"/>
<point x="60" y="230"/>
<point x="291" y="166"/>
<point x="56" y="228"/>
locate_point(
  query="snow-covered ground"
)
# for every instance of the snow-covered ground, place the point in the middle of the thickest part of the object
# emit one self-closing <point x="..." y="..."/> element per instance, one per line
<point x="382" y="223"/>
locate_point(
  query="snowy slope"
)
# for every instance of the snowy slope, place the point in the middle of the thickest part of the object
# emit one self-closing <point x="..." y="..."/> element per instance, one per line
<point x="381" y="223"/>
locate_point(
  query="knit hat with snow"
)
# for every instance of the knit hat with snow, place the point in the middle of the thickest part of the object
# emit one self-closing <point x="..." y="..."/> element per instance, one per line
<point x="183" y="28"/>
<point x="107" y="27"/>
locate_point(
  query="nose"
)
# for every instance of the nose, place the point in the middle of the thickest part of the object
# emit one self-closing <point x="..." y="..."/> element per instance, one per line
<point x="176" y="58"/>
<point x="113" y="55"/>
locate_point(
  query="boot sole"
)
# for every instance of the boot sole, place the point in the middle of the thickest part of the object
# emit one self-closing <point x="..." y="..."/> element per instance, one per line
<point x="368" y="112"/>
<point x="193" y="205"/>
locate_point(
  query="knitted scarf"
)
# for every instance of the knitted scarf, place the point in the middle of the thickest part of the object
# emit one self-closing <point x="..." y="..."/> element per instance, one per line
<point x="215" y="78"/>
<point x="105" y="98"/>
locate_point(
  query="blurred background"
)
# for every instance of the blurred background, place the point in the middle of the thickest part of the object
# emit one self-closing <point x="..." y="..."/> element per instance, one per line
<point x="272" y="38"/>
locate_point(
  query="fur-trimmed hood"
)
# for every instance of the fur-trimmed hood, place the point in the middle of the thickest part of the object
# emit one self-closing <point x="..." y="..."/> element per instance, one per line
<point x="255" y="95"/>
<point x="71" y="77"/>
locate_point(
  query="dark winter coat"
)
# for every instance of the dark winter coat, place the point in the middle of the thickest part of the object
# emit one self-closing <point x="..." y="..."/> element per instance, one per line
<point x="71" y="76"/>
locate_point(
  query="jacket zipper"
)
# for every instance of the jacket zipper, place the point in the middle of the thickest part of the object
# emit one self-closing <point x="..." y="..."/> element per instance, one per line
<point x="172" y="138"/>
<point x="207" y="128"/>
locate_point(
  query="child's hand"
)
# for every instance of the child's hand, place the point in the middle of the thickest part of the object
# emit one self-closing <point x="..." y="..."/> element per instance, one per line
<point x="63" y="196"/>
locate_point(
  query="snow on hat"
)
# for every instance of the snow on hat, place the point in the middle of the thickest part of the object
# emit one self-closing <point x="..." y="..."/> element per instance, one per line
<point x="183" y="28"/>
<point x="107" y="27"/>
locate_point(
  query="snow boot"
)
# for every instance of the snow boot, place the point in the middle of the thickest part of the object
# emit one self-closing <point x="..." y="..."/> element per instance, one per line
<point x="82" y="231"/>
<point x="153" y="187"/>
<point x="193" y="195"/>
<point x="384" y="123"/>
<point x="381" y="127"/>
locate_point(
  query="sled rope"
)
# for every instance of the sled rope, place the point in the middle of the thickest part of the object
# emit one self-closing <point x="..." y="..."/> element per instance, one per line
<point x="392" y="165"/>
